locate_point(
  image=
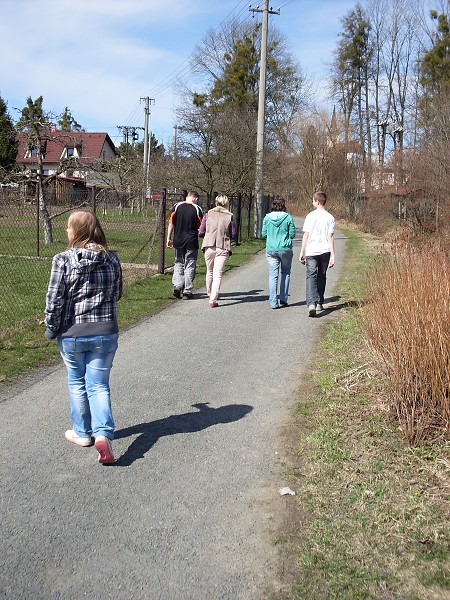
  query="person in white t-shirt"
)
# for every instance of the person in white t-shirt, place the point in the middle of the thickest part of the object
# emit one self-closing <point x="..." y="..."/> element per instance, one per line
<point x="317" y="252"/>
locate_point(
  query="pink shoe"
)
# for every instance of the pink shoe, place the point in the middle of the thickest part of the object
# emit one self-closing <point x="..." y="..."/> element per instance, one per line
<point x="71" y="436"/>
<point x="103" y="446"/>
<point x="213" y="304"/>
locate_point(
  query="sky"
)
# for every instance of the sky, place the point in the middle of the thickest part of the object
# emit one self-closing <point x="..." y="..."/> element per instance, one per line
<point x="100" y="58"/>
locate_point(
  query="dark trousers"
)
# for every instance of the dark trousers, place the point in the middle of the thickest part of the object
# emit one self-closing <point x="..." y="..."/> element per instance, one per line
<point x="316" y="278"/>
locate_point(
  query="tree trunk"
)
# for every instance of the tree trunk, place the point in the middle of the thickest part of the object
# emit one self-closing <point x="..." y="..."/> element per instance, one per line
<point x="368" y="169"/>
<point x="46" y="219"/>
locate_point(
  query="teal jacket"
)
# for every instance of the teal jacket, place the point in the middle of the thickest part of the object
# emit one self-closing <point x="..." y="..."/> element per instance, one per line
<point x="279" y="229"/>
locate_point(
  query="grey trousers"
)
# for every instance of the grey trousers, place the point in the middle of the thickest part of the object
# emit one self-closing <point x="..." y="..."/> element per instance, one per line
<point x="184" y="269"/>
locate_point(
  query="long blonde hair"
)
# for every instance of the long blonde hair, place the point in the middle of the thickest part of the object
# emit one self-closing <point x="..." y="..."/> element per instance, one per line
<point x="86" y="229"/>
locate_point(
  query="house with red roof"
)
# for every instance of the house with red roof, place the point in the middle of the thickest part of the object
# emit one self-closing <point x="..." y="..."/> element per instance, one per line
<point x="67" y="153"/>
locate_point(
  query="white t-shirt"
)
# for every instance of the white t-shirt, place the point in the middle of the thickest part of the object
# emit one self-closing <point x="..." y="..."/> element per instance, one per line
<point x="319" y="224"/>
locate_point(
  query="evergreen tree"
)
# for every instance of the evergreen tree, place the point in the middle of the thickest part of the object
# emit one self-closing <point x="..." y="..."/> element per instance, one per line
<point x="68" y="123"/>
<point x="8" y="142"/>
<point x="435" y="66"/>
<point x="218" y="124"/>
<point x="238" y="85"/>
<point x="137" y="150"/>
<point x="352" y="68"/>
<point x="234" y="82"/>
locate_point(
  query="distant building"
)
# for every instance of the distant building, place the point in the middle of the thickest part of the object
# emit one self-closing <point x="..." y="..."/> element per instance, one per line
<point x="68" y="153"/>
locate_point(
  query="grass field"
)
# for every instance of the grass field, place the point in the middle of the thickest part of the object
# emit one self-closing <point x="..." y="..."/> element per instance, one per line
<point x="21" y="241"/>
<point x="22" y="345"/>
<point x="24" y="279"/>
<point x="25" y="260"/>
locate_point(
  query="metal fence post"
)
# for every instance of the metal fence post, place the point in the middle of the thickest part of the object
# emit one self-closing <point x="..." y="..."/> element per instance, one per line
<point x="162" y="232"/>
<point x="249" y="214"/>
<point x="38" y="225"/>
<point x="239" y="219"/>
<point x="93" y="200"/>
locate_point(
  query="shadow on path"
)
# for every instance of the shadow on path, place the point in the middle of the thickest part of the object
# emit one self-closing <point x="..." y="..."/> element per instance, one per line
<point x="327" y="309"/>
<point x="240" y="297"/>
<point x="185" y="423"/>
<point x="330" y="309"/>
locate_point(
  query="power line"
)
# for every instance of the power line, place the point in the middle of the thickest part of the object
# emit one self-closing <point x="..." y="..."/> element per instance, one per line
<point x="171" y="75"/>
<point x="162" y="89"/>
<point x="185" y="69"/>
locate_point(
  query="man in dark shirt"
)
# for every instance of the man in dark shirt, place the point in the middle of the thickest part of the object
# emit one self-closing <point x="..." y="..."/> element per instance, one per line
<point x="184" y="222"/>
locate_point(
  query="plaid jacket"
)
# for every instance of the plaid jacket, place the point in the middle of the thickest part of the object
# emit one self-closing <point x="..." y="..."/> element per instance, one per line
<point x="84" y="288"/>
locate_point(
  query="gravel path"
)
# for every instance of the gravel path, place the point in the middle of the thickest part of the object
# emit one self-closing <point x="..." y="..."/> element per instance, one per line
<point x="187" y="513"/>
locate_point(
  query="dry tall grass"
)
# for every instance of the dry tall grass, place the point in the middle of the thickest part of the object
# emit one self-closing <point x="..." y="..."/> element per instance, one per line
<point x="407" y="321"/>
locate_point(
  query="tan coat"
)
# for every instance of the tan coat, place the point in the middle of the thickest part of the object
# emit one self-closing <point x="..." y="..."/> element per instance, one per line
<point x="218" y="229"/>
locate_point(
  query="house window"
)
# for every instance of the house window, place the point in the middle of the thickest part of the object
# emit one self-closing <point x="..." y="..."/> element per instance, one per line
<point x="32" y="151"/>
<point x="70" y="152"/>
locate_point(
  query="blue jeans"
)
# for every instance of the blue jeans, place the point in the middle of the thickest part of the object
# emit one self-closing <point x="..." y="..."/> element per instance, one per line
<point x="316" y="278"/>
<point x="89" y="361"/>
<point x="279" y="260"/>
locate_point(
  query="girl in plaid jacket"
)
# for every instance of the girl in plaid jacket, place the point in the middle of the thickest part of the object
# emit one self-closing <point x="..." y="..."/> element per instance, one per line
<point x="81" y="313"/>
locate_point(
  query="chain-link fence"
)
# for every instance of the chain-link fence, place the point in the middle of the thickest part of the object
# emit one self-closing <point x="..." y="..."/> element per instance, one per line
<point x="25" y="257"/>
<point x="134" y="229"/>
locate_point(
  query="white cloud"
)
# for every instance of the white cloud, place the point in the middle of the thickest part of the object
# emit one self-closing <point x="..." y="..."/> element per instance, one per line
<point x="99" y="57"/>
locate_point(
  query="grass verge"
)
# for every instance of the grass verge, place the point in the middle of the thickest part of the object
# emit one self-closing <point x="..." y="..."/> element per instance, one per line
<point x="369" y="519"/>
<point x="23" y="346"/>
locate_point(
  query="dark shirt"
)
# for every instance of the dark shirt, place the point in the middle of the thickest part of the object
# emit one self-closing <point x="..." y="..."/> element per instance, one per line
<point x="186" y="219"/>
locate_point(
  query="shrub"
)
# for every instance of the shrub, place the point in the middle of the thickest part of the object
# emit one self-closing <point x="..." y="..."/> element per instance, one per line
<point x="407" y="320"/>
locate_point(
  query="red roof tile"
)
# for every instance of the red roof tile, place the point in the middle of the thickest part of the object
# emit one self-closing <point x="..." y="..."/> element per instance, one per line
<point x="91" y="145"/>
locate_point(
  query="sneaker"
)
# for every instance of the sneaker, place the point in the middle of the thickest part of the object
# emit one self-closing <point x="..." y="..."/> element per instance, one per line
<point x="103" y="446"/>
<point x="283" y="304"/>
<point x="213" y="304"/>
<point x="71" y="436"/>
<point x="188" y="295"/>
<point x="312" y="310"/>
<point x="177" y="292"/>
<point x="319" y="306"/>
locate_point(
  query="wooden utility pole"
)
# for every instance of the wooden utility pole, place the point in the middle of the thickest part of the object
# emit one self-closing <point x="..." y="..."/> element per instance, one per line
<point x="259" y="183"/>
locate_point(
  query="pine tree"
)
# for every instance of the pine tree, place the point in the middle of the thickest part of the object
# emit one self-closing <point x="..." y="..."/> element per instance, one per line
<point x="238" y="85"/>
<point x="8" y="141"/>
<point x="354" y="55"/>
<point x="218" y="123"/>
<point x="68" y="123"/>
<point x="435" y="67"/>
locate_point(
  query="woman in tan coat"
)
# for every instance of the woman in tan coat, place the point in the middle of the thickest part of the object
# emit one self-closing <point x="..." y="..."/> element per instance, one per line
<point x="218" y="228"/>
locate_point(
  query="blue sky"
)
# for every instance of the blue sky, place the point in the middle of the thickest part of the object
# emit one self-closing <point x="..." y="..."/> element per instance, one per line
<point x="99" y="57"/>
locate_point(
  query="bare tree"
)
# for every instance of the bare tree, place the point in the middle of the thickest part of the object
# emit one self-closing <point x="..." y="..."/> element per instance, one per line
<point x="36" y="123"/>
<point x="217" y="125"/>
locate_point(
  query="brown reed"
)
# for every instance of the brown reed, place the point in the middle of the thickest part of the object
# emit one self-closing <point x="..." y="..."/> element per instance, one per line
<point x="407" y="322"/>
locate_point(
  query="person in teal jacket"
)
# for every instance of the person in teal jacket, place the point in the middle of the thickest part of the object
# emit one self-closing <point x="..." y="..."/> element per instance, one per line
<point x="279" y="230"/>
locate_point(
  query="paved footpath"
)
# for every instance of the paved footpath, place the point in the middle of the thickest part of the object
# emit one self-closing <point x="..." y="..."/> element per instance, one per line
<point x="199" y="396"/>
